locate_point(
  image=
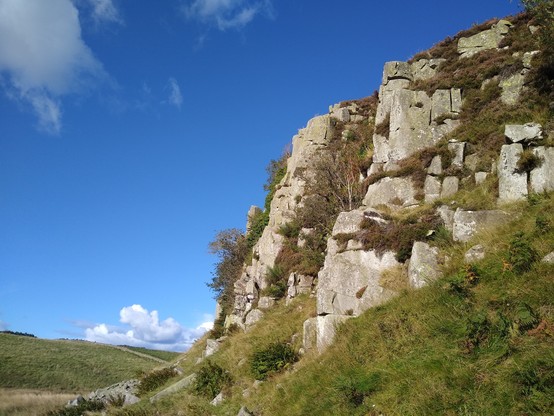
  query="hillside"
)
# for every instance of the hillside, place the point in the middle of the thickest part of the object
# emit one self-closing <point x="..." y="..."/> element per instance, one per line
<point x="67" y="366"/>
<point x="403" y="263"/>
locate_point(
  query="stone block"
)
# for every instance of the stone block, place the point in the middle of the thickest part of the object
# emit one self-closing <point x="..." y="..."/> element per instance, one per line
<point x="512" y="185"/>
<point x="480" y="177"/>
<point x="475" y="253"/>
<point x="457" y="149"/>
<point x="432" y="189"/>
<point x="450" y="186"/>
<point x="392" y="192"/>
<point x="542" y="177"/>
<point x="523" y="133"/>
<point x="468" y="223"/>
<point x="326" y="329"/>
<point x="435" y="168"/>
<point x="424" y="265"/>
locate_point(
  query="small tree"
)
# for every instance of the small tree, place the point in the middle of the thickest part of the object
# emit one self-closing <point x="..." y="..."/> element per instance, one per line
<point x="231" y="248"/>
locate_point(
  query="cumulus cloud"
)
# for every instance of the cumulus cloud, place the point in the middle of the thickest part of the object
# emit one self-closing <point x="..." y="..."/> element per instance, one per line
<point x="175" y="96"/>
<point x="144" y="329"/>
<point x="43" y="57"/>
<point x="105" y="11"/>
<point x="227" y="14"/>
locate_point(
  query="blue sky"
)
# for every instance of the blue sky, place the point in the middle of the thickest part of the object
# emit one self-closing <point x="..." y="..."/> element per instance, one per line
<point x="131" y="131"/>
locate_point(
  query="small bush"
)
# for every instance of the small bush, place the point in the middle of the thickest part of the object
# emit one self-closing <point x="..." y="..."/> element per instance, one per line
<point x="154" y="379"/>
<point x="272" y="359"/>
<point x="521" y="254"/>
<point x="210" y="380"/>
<point x="527" y="161"/>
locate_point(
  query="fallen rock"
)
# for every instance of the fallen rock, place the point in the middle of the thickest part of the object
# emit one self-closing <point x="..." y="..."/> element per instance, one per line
<point x="468" y="223"/>
<point x="549" y="258"/>
<point x="244" y="412"/>
<point x="523" y="133"/>
<point x="431" y="189"/>
<point x="450" y="186"/>
<point x="125" y="389"/>
<point x="212" y="346"/>
<point x="424" y="265"/>
<point x="253" y="316"/>
<point x="218" y="399"/>
<point x="475" y="253"/>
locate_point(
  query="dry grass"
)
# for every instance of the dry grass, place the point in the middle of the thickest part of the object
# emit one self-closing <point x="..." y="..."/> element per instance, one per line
<point x="15" y="402"/>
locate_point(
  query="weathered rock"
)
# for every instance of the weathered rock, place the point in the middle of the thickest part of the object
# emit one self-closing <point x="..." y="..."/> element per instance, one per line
<point x="424" y="69"/>
<point x="348" y="284"/>
<point x="468" y="223"/>
<point x="341" y="114"/>
<point x="457" y="150"/>
<point x="542" y="177"/>
<point x="549" y="258"/>
<point x="480" y="177"/>
<point x="512" y="87"/>
<point x="212" y="346"/>
<point x="76" y="401"/>
<point x="424" y="265"/>
<point x="512" y="185"/>
<point x="218" y="399"/>
<point x="435" y="168"/>
<point x="266" y="302"/>
<point x="174" y="388"/>
<point x="475" y="253"/>
<point x="456" y="98"/>
<point x="447" y="217"/>
<point x="487" y="39"/>
<point x="326" y="329"/>
<point x="392" y="192"/>
<point x="440" y="104"/>
<point x="432" y="189"/>
<point x="348" y="222"/>
<point x="524" y="133"/>
<point x="126" y="389"/>
<point x="471" y="161"/>
<point x="397" y="70"/>
<point x="450" y="186"/>
<point x="253" y="316"/>
<point x="244" y="412"/>
<point x="528" y="58"/>
<point x="309" y="334"/>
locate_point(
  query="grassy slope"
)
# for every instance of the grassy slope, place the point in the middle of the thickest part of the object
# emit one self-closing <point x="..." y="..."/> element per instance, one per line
<point x="64" y="365"/>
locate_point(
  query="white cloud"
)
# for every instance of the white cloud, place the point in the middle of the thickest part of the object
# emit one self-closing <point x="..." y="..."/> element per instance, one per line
<point x="43" y="57"/>
<point x="227" y="14"/>
<point x="105" y="11"/>
<point x="175" y="96"/>
<point x="144" y="329"/>
<point x="3" y="325"/>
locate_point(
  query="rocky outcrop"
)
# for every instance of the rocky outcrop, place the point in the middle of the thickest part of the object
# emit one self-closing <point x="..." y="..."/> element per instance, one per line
<point x="290" y="191"/>
<point x="126" y="390"/>
<point x="542" y="177"/>
<point x="487" y="39"/>
<point x="412" y="119"/>
<point x="392" y="192"/>
<point x="319" y="332"/>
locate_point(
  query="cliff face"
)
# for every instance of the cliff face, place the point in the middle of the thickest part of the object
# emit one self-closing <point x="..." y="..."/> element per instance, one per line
<point x="421" y="160"/>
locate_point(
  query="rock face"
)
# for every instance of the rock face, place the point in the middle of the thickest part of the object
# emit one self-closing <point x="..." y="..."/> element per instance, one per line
<point x="412" y="117"/>
<point x="306" y="144"/>
<point x="487" y="39"/>
<point x="319" y="332"/>
<point x="392" y="192"/>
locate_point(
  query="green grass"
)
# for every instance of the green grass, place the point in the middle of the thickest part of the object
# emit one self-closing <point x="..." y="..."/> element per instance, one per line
<point x="65" y="366"/>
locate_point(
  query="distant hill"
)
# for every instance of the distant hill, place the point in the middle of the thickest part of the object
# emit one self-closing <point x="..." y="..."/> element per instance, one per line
<point x="69" y="365"/>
